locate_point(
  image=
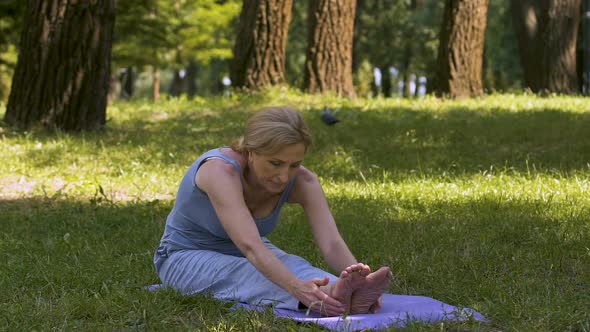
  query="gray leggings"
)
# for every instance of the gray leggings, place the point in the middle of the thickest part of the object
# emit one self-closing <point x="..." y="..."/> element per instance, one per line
<point x="232" y="278"/>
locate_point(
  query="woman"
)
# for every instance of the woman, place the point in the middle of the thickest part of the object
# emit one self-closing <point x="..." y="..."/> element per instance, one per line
<point x="230" y="199"/>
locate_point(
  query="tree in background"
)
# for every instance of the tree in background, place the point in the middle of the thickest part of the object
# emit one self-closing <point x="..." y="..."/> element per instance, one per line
<point x="211" y="37"/>
<point x="547" y="32"/>
<point x="398" y="37"/>
<point x="11" y="14"/>
<point x="142" y="33"/>
<point x="461" y="48"/>
<point x="178" y="35"/>
<point x="329" y="51"/>
<point x="192" y="41"/>
<point x="259" y="51"/>
<point x="378" y="38"/>
<point x="409" y="49"/>
<point x="63" y="70"/>
<point x="501" y="65"/>
<point x="296" y="45"/>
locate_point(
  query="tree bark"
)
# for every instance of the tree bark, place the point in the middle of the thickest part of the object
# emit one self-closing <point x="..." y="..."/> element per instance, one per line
<point x="407" y="70"/>
<point x="191" y="78"/>
<point x="357" y="31"/>
<point x="175" y="88"/>
<point x="128" y="83"/>
<point x="461" y="47"/>
<point x="156" y="87"/>
<point x="385" y="81"/>
<point x="259" y="51"/>
<point x="547" y="32"/>
<point x="329" y="52"/>
<point x="409" y="56"/>
<point x="584" y="51"/>
<point x="62" y="74"/>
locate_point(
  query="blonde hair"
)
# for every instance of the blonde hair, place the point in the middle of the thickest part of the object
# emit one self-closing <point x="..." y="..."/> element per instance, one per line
<point x="271" y="129"/>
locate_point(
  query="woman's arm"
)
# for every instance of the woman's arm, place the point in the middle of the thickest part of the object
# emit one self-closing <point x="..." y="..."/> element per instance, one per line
<point x="222" y="183"/>
<point x="309" y="193"/>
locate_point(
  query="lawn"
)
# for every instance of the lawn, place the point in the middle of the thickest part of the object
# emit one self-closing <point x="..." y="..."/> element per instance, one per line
<point x="482" y="203"/>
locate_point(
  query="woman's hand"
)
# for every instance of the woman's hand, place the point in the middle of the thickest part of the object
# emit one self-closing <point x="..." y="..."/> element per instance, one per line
<point x="309" y="293"/>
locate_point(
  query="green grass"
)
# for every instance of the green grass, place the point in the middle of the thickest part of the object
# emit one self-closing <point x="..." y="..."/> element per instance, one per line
<point x="481" y="203"/>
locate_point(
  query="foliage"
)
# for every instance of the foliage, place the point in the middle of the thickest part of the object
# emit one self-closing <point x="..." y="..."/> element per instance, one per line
<point x="11" y="15"/>
<point x="482" y="203"/>
<point x="296" y="45"/>
<point x="212" y="36"/>
<point x="141" y="34"/>
<point x="167" y="33"/>
<point x="387" y="29"/>
<point x="502" y="70"/>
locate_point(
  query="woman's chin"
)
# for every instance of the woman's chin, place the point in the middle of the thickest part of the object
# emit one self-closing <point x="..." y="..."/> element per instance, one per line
<point x="275" y="188"/>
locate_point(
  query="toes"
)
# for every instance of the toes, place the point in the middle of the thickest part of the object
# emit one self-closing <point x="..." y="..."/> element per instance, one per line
<point x="365" y="271"/>
<point x="354" y="267"/>
<point x="388" y="274"/>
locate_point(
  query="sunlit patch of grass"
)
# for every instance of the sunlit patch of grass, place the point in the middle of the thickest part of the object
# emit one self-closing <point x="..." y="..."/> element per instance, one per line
<point x="482" y="203"/>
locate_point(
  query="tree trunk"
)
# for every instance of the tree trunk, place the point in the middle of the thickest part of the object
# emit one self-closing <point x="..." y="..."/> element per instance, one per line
<point x="460" y="51"/>
<point x="407" y="90"/>
<point x="385" y="81"/>
<point x="407" y="70"/>
<point x="329" y="52"/>
<point x="128" y="83"/>
<point x="175" y="88"/>
<point x="259" y="52"/>
<point x="409" y="56"/>
<point x="191" y="79"/>
<point x="585" y="50"/>
<point x="156" y="76"/>
<point x="358" y="31"/>
<point x="547" y="32"/>
<point x="62" y="74"/>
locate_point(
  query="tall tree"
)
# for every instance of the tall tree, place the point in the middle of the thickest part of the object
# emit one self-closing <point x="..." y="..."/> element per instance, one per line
<point x="176" y="35"/>
<point x="259" y="51"/>
<point x="409" y="51"/>
<point x="11" y="17"/>
<point x="460" y="53"/>
<point x="329" y="51"/>
<point x="62" y="74"/>
<point x="547" y="32"/>
<point x="408" y="28"/>
<point x="296" y="45"/>
<point x="501" y="69"/>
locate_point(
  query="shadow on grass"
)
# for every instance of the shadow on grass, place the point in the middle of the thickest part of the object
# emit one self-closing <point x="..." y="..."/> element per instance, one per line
<point x="457" y="141"/>
<point x="523" y="264"/>
<point x="72" y="243"/>
<point x="399" y="141"/>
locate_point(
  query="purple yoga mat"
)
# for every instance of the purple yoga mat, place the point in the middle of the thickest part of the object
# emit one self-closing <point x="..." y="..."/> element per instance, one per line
<point x="396" y="311"/>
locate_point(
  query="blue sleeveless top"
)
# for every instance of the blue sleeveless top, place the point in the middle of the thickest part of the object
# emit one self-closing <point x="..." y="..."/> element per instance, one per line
<point x="193" y="223"/>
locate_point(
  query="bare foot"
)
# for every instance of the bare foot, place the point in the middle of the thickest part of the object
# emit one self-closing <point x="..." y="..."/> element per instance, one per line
<point x="366" y="296"/>
<point x="351" y="278"/>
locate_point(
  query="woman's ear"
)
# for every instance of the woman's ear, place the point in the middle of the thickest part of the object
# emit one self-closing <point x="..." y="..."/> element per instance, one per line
<point x="249" y="157"/>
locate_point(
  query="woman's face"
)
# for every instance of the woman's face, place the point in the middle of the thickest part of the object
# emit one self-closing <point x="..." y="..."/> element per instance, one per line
<point x="274" y="171"/>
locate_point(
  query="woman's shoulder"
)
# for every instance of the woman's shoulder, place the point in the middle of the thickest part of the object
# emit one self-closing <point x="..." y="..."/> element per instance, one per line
<point x="304" y="182"/>
<point x="214" y="169"/>
<point x="238" y="157"/>
<point x="305" y="175"/>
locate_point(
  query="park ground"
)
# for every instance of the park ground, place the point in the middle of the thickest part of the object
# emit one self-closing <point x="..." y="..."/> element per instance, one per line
<point x="482" y="203"/>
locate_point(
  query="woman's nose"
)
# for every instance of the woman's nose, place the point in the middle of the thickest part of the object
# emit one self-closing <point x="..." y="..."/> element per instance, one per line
<point x="284" y="176"/>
